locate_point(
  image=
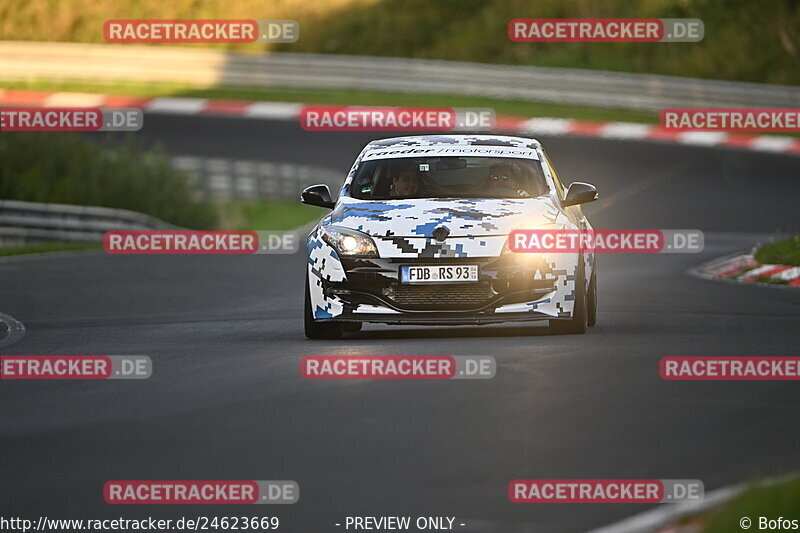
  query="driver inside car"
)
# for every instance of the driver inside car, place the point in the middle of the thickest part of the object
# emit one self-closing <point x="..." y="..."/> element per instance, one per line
<point x="405" y="184"/>
<point x="504" y="176"/>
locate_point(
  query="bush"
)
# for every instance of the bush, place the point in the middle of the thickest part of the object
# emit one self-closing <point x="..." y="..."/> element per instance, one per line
<point x="66" y="168"/>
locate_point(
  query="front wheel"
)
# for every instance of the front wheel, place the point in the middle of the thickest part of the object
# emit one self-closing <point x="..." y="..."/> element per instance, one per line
<point x="579" y="322"/>
<point x="318" y="330"/>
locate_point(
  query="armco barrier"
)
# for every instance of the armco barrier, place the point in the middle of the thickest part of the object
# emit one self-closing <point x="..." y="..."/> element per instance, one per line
<point x="235" y="179"/>
<point x="216" y="179"/>
<point x="33" y="222"/>
<point x="205" y="67"/>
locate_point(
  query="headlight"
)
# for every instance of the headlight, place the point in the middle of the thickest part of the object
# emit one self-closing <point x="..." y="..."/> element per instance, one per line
<point x="349" y="242"/>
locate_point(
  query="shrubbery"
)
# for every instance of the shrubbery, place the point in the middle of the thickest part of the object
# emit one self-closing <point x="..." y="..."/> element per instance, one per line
<point x="744" y="40"/>
<point x="67" y="168"/>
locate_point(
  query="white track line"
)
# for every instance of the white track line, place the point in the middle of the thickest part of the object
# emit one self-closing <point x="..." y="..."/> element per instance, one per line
<point x="16" y="330"/>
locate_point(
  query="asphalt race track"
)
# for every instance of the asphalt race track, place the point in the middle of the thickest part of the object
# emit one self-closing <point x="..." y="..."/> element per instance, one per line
<point x="226" y="400"/>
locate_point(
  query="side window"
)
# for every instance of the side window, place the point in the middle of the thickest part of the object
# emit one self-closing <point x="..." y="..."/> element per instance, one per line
<point x="555" y="175"/>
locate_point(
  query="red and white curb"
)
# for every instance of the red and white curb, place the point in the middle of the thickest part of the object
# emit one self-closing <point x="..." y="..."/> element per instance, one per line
<point x="744" y="268"/>
<point x="166" y="105"/>
<point x="291" y="111"/>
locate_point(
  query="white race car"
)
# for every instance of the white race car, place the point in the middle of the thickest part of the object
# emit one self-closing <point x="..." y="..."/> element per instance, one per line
<point x="419" y="235"/>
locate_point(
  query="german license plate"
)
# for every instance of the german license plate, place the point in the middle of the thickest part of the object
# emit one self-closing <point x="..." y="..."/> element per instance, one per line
<point x="438" y="274"/>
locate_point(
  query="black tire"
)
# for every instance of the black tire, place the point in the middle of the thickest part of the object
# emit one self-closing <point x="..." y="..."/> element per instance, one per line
<point x="591" y="301"/>
<point x="579" y="322"/>
<point x="318" y="330"/>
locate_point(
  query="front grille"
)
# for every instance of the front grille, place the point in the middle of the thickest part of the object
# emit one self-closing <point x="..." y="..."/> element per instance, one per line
<point x="448" y="297"/>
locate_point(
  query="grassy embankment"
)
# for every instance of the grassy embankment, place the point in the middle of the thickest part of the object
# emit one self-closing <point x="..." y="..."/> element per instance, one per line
<point x="744" y="40"/>
<point x="771" y="502"/>
<point x="785" y="252"/>
<point x="66" y="168"/>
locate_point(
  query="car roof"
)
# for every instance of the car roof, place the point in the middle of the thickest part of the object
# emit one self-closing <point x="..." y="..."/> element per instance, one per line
<point x="449" y="140"/>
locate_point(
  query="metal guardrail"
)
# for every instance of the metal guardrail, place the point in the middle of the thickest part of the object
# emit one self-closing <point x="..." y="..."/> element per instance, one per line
<point x="203" y="67"/>
<point x="211" y="178"/>
<point x="33" y="222"/>
<point x="229" y="179"/>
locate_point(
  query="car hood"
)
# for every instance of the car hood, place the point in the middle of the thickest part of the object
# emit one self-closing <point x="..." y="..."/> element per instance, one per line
<point x="418" y="218"/>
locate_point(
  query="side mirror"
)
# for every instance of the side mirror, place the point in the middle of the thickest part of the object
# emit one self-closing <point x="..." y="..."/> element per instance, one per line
<point x="579" y="193"/>
<point x="318" y="195"/>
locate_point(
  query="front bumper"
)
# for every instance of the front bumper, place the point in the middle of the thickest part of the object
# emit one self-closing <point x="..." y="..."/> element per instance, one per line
<point x="510" y="288"/>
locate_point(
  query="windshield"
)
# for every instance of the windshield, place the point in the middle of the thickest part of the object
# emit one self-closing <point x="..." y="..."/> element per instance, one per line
<point x="448" y="177"/>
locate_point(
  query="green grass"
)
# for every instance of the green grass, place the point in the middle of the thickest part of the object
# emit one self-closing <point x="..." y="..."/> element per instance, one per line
<point x="516" y="108"/>
<point x="342" y="97"/>
<point x="779" y="500"/>
<point x="276" y="215"/>
<point x="43" y="248"/>
<point x="785" y="252"/>
<point x="744" y="40"/>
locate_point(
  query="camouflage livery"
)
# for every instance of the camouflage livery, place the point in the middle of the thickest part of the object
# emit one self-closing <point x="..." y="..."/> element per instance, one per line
<point x="477" y="232"/>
